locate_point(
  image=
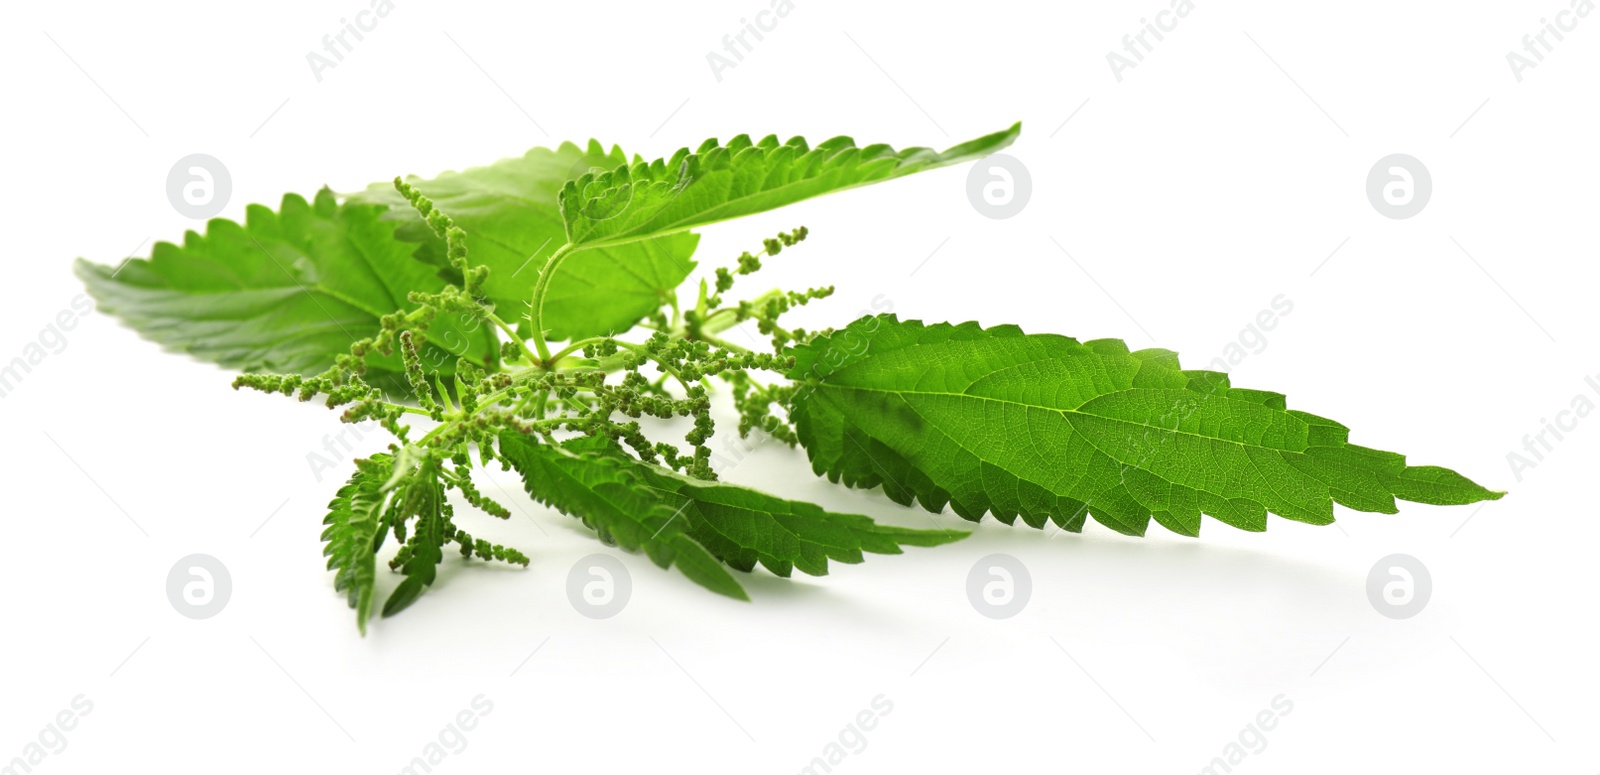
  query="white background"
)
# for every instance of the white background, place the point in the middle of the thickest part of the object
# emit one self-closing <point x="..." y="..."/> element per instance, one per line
<point x="1224" y="170"/>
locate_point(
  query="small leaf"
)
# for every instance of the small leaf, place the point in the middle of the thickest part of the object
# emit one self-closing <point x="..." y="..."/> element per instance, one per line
<point x="1045" y="427"/>
<point x="718" y="182"/>
<point x="420" y="495"/>
<point x="354" y="526"/>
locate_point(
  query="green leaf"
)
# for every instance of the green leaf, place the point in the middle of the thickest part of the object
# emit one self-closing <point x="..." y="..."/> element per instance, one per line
<point x="355" y="525"/>
<point x="742" y="526"/>
<point x="284" y="292"/>
<point x="513" y="224"/>
<point x="420" y="495"/>
<point x="611" y="497"/>
<point x="1045" y="427"/>
<point x="718" y="182"/>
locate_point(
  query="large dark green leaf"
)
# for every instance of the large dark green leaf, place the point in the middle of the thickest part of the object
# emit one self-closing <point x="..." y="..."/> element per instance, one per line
<point x="1043" y="426"/>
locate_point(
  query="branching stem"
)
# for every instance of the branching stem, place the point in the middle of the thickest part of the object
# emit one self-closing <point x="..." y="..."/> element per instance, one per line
<point x="540" y="288"/>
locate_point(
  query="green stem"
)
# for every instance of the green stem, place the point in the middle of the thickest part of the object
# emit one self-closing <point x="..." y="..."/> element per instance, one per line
<point x="647" y="355"/>
<point x="539" y="290"/>
<point x="576" y="346"/>
<point x="723" y="343"/>
<point x="715" y="321"/>
<point x="406" y="408"/>
<point x="512" y="333"/>
<point x="484" y="402"/>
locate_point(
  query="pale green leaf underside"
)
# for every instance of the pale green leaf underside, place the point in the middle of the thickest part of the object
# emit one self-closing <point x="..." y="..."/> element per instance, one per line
<point x="1045" y="427"/>
<point x="718" y="182"/>
<point x="509" y="211"/>
<point x="284" y="292"/>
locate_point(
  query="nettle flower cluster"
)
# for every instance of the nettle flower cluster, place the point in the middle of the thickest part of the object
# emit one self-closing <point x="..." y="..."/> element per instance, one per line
<point x="598" y="387"/>
<point x="406" y="304"/>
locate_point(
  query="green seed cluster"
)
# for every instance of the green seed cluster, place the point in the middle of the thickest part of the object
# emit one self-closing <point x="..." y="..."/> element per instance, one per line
<point x="755" y="402"/>
<point x="750" y="263"/>
<point x="603" y="386"/>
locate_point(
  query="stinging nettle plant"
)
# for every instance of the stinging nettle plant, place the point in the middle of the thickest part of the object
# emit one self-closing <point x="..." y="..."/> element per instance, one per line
<point x="527" y="313"/>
